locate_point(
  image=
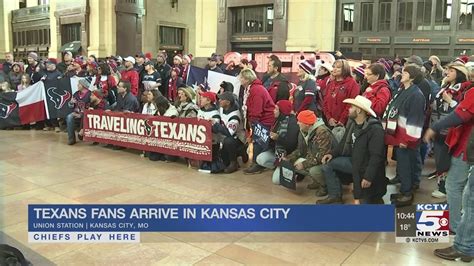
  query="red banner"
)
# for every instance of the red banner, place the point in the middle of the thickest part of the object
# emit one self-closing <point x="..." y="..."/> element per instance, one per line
<point x="184" y="137"/>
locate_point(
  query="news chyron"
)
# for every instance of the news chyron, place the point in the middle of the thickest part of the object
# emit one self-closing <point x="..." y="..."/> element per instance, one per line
<point x="422" y="223"/>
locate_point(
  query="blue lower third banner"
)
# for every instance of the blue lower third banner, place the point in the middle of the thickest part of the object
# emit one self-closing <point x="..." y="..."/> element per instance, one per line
<point x="122" y="223"/>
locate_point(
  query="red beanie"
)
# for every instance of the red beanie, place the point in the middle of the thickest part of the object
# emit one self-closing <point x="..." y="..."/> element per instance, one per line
<point x="307" y="117"/>
<point x="284" y="106"/>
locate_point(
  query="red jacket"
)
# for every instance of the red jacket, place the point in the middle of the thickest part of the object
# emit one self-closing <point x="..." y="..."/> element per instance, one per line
<point x="260" y="105"/>
<point x="336" y="92"/>
<point x="458" y="136"/>
<point x="132" y="77"/>
<point x="379" y="94"/>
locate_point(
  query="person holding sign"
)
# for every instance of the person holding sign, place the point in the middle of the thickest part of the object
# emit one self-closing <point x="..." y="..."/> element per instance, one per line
<point x="314" y="142"/>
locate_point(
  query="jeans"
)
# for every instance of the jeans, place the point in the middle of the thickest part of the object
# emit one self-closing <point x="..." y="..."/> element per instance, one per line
<point x="455" y="185"/>
<point x="315" y="173"/>
<point x="257" y="149"/>
<point x="408" y="168"/>
<point x="71" y="125"/>
<point x="464" y="240"/>
<point x="342" y="164"/>
<point x="231" y="148"/>
<point x="267" y="159"/>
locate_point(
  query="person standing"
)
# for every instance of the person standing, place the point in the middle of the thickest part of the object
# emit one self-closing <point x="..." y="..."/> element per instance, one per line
<point x="378" y="91"/>
<point x="305" y="93"/>
<point x="342" y="87"/>
<point x="164" y="70"/>
<point x="8" y="64"/>
<point x="276" y="84"/>
<point x="174" y="83"/>
<point x="15" y="75"/>
<point x="130" y="74"/>
<point x="33" y="67"/>
<point x="403" y="121"/>
<point x="64" y="64"/>
<point x="151" y="78"/>
<point x="258" y="108"/>
<point x="213" y="64"/>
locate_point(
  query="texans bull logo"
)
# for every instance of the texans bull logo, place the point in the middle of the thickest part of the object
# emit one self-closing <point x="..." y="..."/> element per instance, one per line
<point x="149" y="127"/>
<point x="57" y="98"/>
<point x="6" y="110"/>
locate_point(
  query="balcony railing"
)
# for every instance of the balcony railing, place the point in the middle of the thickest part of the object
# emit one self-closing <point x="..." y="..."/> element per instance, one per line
<point x="30" y="13"/>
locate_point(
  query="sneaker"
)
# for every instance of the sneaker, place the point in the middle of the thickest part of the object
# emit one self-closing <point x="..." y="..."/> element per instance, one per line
<point x="432" y="175"/>
<point x="46" y="129"/>
<point x="403" y="200"/>
<point x="57" y="129"/>
<point x="330" y="200"/>
<point x="254" y="169"/>
<point x="438" y="194"/>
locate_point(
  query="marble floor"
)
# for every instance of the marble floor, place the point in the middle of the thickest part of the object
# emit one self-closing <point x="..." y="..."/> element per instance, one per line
<point x="38" y="167"/>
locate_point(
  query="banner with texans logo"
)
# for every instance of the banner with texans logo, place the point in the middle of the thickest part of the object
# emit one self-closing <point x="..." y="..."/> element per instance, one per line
<point x="184" y="137"/>
<point x="42" y="100"/>
<point x="24" y="107"/>
<point x="58" y="94"/>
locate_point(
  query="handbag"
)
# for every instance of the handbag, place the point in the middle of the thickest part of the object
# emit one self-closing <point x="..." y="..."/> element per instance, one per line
<point x="287" y="175"/>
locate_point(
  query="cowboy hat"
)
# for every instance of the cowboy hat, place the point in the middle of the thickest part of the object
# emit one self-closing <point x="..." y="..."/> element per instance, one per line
<point x="363" y="103"/>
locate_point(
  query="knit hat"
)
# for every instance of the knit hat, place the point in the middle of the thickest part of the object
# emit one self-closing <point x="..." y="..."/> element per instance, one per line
<point x="203" y="87"/>
<point x="254" y="64"/>
<point x="93" y="65"/>
<point x="387" y="64"/>
<point x="462" y="59"/>
<point x="460" y="67"/>
<point x="78" y="61"/>
<point x="86" y="82"/>
<point x="307" y="117"/>
<point x="189" y="92"/>
<point x="148" y="56"/>
<point x="285" y="107"/>
<point x="51" y="61"/>
<point x="210" y="95"/>
<point x="359" y="71"/>
<point x="226" y="95"/>
<point x="188" y="57"/>
<point x="307" y="66"/>
<point x="33" y="55"/>
<point x="178" y="56"/>
<point x="98" y="94"/>
<point x="176" y="69"/>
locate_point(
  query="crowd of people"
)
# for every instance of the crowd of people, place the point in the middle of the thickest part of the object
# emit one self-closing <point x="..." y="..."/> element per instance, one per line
<point x="334" y="126"/>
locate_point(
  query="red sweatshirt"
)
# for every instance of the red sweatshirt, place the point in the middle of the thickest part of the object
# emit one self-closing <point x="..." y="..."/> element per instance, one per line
<point x="132" y="77"/>
<point x="260" y="105"/>
<point x="379" y="94"/>
<point x="336" y="92"/>
<point x="458" y="136"/>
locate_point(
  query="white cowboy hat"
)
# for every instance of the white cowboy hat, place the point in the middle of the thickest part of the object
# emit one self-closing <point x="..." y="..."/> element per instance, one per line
<point x="363" y="103"/>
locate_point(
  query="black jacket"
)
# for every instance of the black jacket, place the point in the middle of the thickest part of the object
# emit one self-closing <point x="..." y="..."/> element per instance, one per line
<point x="165" y="74"/>
<point x="368" y="157"/>
<point x="288" y="132"/>
<point x="279" y="88"/>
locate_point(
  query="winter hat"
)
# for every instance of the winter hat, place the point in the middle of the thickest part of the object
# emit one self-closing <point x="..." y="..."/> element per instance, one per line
<point x="86" y="82"/>
<point x="227" y="95"/>
<point x="387" y="64"/>
<point x="79" y="61"/>
<point x="363" y="103"/>
<point x="148" y="56"/>
<point x="462" y="59"/>
<point x="189" y="92"/>
<point x="53" y="61"/>
<point x="210" y="95"/>
<point x="188" y="57"/>
<point x="33" y="55"/>
<point x="178" y="56"/>
<point x="98" y="94"/>
<point x="460" y="67"/>
<point x="307" y="66"/>
<point x="93" y="65"/>
<point x="130" y="59"/>
<point x="285" y="107"/>
<point x="20" y="64"/>
<point x="176" y="69"/>
<point x="307" y="117"/>
<point x="227" y="86"/>
<point x="203" y="87"/>
<point x="359" y="71"/>
<point x="254" y="64"/>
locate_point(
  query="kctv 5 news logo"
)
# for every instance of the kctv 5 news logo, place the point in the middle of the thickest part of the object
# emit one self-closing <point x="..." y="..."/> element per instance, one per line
<point x="423" y="223"/>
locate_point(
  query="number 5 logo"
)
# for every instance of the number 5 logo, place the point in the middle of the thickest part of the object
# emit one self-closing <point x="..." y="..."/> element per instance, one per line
<point x="429" y="220"/>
